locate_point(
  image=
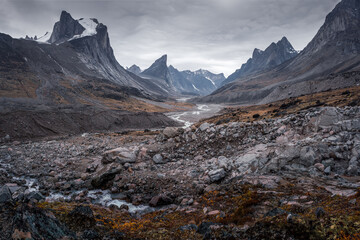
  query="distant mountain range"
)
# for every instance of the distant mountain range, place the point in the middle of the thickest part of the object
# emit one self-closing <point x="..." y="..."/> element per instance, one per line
<point x="200" y="82"/>
<point x="274" y="55"/>
<point x="331" y="60"/>
<point x="75" y="64"/>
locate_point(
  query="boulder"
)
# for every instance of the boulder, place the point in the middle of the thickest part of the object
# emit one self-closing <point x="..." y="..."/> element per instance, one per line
<point x="35" y="223"/>
<point x="158" y="159"/>
<point x="5" y="195"/>
<point x="160" y="200"/>
<point x="204" y="126"/>
<point x="170" y="132"/>
<point x="217" y="175"/>
<point x="120" y="155"/>
<point x="102" y="180"/>
<point x="307" y="156"/>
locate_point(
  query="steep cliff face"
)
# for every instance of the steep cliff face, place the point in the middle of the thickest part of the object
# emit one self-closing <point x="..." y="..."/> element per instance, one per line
<point x="65" y="29"/>
<point x="331" y="60"/>
<point x="159" y="69"/>
<point x="274" y="55"/>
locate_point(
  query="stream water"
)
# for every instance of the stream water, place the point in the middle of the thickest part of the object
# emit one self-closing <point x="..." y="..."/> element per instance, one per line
<point x="201" y="111"/>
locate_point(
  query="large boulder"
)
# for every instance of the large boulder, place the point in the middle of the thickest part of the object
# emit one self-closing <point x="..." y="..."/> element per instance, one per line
<point x="170" y="132"/>
<point x="36" y="223"/>
<point x="160" y="200"/>
<point x="119" y="155"/>
<point x="217" y="175"/>
<point x="158" y="159"/>
<point x="102" y="180"/>
<point x="5" y="195"/>
<point x="327" y="118"/>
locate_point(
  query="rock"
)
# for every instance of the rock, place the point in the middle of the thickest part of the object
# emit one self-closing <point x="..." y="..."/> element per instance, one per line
<point x="82" y="216"/>
<point x="212" y="213"/>
<point x="120" y="155"/>
<point x="327" y="170"/>
<point x="158" y="159"/>
<point x="320" y="212"/>
<point x="205" y="228"/>
<point x="224" y="162"/>
<point x="204" y="126"/>
<point x="103" y="179"/>
<point x="170" y="132"/>
<point x="217" y="175"/>
<point x="319" y="167"/>
<point x="5" y="195"/>
<point x="327" y="118"/>
<point x="275" y="212"/>
<point x="91" y="234"/>
<point x="190" y="227"/>
<point x="34" y="196"/>
<point x="307" y="156"/>
<point x="160" y="200"/>
<point x="35" y="223"/>
<point x="353" y="170"/>
<point x="289" y="218"/>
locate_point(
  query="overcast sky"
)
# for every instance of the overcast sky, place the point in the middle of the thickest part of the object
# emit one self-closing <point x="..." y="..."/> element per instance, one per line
<point x="218" y="35"/>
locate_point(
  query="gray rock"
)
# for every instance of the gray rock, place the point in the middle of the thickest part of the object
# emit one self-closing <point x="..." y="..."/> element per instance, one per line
<point x="328" y="117"/>
<point x="170" y="132"/>
<point x="158" y="159"/>
<point x="121" y="155"/>
<point x="327" y="170"/>
<point x="320" y="212"/>
<point x="353" y="170"/>
<point x="307" y="156"/>
<point x="5" y="195"/>
<point x="204" y="126"/>
<point x="217" y="175"/>
<point x="34" y="196"/>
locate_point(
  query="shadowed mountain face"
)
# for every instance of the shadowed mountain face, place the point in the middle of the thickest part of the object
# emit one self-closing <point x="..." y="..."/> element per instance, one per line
<point x="51" y="84"/>
<point x="76" y="65"/>
<point x="200" y="82"/>
<point x="274" y="55"/>
<point x="65" y="29"/>
<point x="331" y="60"/>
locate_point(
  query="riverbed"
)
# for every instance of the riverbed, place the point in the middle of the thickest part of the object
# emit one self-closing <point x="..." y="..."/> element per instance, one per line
<point x="200" y="111"/>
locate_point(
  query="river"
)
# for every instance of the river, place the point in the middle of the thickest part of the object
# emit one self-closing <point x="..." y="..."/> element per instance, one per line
<point x="200" y="111"/>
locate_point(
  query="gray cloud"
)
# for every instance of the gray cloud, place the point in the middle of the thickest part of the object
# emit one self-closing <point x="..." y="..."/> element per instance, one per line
<point x="210" y="34"/>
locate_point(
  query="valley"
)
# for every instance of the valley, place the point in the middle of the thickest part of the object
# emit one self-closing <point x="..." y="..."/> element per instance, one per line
<point x="92" y="150"/>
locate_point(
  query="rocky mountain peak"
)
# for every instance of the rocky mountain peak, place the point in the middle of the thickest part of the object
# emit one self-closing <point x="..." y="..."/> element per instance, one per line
<point x="274" y="55"/>
<point x="158" y="69"/>
<point x="341" y="27"/>
<point x="134" y="69"/>
<point x="65" y="29"/>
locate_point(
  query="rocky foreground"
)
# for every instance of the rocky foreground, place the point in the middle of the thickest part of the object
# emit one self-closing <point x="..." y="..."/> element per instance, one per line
<point x="295" y="177"/>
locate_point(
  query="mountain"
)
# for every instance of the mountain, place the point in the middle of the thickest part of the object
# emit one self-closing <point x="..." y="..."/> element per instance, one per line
<point x="330" y="61"/>
<point x="134" y="69"/>
<point x="72" y="71"/>
<point x="77" y="54"/>
<point x="216" y="79"/>
<point x="200" y="82"/>
<point x="274" y="55"/>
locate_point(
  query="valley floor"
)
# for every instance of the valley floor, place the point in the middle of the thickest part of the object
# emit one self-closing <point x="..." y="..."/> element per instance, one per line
<point x="289" y="170"/>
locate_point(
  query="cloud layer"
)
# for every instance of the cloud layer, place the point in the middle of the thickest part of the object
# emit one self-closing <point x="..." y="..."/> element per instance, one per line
<point x="209" y="34"/>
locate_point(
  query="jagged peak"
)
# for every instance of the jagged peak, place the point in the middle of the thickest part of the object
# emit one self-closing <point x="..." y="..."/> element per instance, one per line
<point x="64" y="14"/>
<point x="163" y="58"/>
